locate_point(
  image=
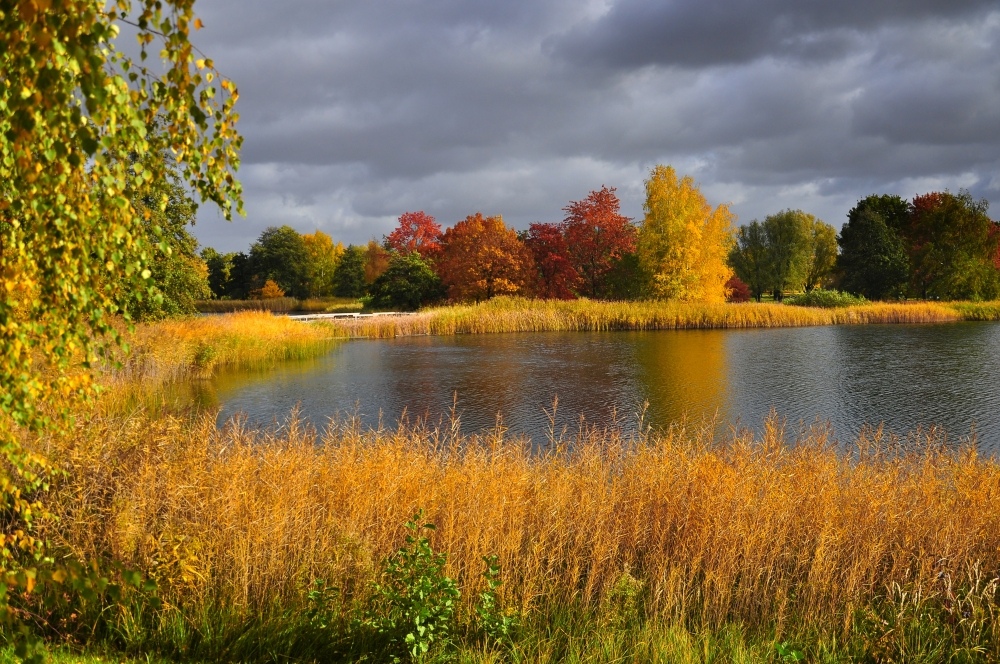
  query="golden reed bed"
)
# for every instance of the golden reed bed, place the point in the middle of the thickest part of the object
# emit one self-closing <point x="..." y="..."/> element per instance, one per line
<point x="761" y="529"/>
<point x="522" y="315"/>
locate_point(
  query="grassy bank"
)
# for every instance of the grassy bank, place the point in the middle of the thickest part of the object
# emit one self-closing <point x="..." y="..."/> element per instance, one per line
<point x="189" y="348"/>
<point x="520" y="315"/>
<point x="665" y="543"/>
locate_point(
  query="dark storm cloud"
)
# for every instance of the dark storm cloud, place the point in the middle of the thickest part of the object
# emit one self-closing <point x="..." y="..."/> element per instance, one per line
<point x="354" y="112"/>
<point x="689" y="33"/>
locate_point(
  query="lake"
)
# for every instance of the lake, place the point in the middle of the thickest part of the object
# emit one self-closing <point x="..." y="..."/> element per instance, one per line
<point x="906" y="376"/>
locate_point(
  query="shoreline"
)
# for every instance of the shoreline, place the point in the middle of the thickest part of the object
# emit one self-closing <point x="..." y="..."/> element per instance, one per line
<point x="508" y="314"/>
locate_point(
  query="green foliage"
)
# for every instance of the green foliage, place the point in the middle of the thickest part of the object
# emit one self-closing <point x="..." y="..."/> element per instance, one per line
<point x="787" y="652"/>
<point x="220" y="267"/>
<point x="349" y="277"/>
<point x="492" y="620"/>
<point x="71" y="229"/>
<point x="415" y="603"/>
<point x="750" y="258"/>
<point x="178" y="276"/>
<point x="407" y="283"/>
<point x="822" y="255"/>
<point x="826" y="299"/>
<point x="321" y="601"/>
<point x="789" y="249"/>
<point x="280" y="255"/>
<point x="873" y="261"/>
<point x="626" y="280"/>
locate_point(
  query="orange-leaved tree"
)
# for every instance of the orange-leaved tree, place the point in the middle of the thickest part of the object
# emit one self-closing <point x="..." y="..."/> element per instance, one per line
<point x="597" y="235"/>
<point x="481" y="257"/>
<point x="683" y="242"/>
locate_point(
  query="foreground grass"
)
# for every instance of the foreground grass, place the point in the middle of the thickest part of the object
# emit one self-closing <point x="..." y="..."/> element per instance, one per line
<point x="612" y="548"/>
<point x="506" y="314"/>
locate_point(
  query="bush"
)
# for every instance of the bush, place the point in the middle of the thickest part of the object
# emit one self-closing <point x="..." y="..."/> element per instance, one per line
<point x="826" y="298"/>
<point x="406" y="284"/>
<point x="416" y="600"/>
<point x="738" y="291"/>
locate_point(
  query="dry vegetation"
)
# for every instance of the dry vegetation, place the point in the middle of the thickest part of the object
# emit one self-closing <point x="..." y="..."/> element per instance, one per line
<point x="506" y="314"/>
<point x="768" y="531"/>
<point x="661" y="542"/>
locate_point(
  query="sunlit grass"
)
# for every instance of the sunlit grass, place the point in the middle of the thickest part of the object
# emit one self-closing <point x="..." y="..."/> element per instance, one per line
<point x="196" y="347"/>
<point x="772" y="531"/>
<point x="506" y="314"/>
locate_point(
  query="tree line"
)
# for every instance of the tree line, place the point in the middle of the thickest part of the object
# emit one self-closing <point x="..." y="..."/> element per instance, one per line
<point x="939" y="245"/>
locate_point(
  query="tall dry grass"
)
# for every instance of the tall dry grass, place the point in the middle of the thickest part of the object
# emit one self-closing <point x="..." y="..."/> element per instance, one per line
<point x="185" y="348"/>
<point x="763" y="529"/>
<point x="509" y="314"/>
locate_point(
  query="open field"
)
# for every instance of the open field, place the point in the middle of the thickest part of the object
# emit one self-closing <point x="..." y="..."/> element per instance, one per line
<point x="505" y="314"/>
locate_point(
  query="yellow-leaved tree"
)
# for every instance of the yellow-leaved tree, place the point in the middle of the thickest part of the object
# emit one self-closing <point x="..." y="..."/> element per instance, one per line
<point x="324" y="256"/>
<point x="71" y="236"/>
<point x="683" y="242"/>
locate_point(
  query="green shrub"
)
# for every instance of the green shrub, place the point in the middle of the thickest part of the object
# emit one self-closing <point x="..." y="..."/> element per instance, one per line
<point x="826" y="298"/>
<point x="415" y="602"/>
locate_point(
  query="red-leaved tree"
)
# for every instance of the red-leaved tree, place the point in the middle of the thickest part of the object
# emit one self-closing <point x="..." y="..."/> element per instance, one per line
<point x="557" y="278"/>
<point x="597" y="234"/>
<point x="480" y="258"/>
<point x="417" y="232"/>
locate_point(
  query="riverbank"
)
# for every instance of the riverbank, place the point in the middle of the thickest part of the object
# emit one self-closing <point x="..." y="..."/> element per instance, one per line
<point x="661" y="546"/>
<point x="509" y="314"/>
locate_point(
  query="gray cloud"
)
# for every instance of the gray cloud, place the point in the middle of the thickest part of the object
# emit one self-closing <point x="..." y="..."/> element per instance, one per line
<point x="354" y="112"/>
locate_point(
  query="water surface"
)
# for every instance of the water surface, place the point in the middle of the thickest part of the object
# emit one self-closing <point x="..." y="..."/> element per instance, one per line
<point x="905" y="376"/>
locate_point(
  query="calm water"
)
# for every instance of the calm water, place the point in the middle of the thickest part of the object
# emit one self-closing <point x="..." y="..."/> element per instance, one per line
<point x="903" y="375"/>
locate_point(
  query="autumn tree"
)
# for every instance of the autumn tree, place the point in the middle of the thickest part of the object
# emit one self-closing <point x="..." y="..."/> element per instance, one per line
<point x="596" y="235"/>
<point x="416" y="232"/>
<point x="377" y="260"/>
<point x="557" y="278"/>
<point x="323" y="255"/>
<point x="68" y="225"/>
<point x="481" y="258"/>
<point x="952" y="247"/>
<point x="683" y="242"/>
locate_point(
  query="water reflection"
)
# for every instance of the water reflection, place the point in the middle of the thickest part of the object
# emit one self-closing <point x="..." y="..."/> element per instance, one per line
<point x="905" y="376"/>
<point x="683" y="374"/>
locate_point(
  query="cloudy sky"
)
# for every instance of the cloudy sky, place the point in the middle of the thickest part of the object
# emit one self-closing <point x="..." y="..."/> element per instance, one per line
<point x="355" y="111"/>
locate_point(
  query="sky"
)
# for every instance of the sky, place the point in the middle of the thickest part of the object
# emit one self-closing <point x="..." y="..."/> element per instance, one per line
<point x="355" y="111"/>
